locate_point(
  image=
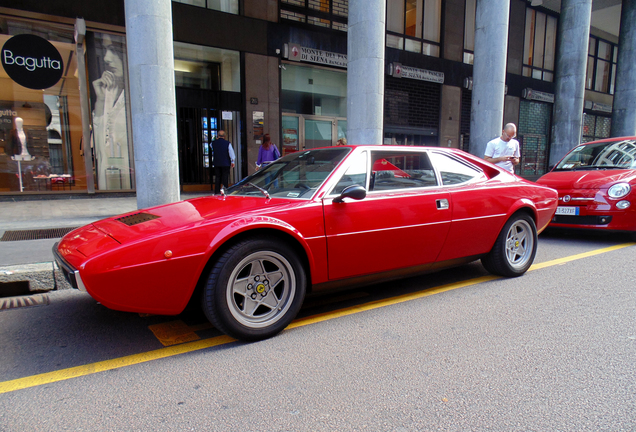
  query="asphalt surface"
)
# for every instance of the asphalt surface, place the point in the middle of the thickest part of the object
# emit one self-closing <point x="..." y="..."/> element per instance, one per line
<point x="552" y="350"/>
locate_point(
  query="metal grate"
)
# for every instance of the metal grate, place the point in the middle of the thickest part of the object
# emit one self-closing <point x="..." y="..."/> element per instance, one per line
<point x="137" y="218"/>
<point x="37" y="234"/>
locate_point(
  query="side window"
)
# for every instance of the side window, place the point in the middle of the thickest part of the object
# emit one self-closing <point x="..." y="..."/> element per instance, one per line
<point x="453" y="171"/>
<point x="356" y="174"/>
<point x="401" y="170"/>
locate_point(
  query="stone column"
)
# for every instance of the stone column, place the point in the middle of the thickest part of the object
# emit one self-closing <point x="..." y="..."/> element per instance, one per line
<point x="365" y="71"/>
<point x="152" y="100"/>
<point x="574" y="33"/>
<point x="489" y="73"/>
<point x="624" y="109"/>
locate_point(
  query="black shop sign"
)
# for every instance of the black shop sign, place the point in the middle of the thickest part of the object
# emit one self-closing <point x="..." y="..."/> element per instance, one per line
<point x="32" y="61"/>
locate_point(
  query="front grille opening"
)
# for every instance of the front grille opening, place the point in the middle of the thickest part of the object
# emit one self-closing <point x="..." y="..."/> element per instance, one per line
<point x="137" y="218"/>
<point x="36" y="234"/>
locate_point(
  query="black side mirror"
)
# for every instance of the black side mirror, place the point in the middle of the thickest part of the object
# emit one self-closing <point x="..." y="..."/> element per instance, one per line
<point x="355" y="192"/>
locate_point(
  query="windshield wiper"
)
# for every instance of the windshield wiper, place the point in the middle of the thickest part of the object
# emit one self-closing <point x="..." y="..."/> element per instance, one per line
<point x="260" y="189"/>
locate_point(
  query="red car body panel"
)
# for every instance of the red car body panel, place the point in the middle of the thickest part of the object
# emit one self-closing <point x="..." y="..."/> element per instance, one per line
<point x="587" y="190"/>
<point x="155" y="266"/>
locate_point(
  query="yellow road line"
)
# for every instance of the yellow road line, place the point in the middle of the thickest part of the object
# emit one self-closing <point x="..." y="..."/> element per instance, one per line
<point x="78" y="371"/>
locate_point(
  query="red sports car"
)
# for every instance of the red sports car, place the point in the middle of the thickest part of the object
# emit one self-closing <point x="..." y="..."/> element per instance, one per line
<point x="596" y="183"/>
<point x="313" y="220"/>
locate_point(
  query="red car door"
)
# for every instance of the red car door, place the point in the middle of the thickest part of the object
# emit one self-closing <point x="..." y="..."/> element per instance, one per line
<point x="402" y="222"/>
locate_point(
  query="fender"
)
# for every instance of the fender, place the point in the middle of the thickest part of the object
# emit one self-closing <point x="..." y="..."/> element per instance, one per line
<point x="251" y="223"/>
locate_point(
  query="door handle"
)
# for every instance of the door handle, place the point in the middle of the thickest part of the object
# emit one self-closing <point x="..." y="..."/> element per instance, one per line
<point x="442" y="204"/>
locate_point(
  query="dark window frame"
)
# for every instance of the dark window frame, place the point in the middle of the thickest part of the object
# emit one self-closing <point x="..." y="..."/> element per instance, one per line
<point x="533" y="68"/>
<point x="340" y="20"/>
<point x="613" y="64"/>
<point x="421" y="40"/>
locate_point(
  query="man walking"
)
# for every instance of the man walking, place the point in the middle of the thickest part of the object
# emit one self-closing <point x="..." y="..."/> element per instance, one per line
<point x="223" y="159"/>
<point x="504" y="151"/>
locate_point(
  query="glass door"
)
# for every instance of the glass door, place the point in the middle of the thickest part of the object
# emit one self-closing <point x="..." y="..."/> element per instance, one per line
<point x="318" y="133"/>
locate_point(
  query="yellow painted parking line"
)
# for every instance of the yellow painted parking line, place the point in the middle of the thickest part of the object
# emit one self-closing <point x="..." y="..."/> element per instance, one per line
<point x="567" y="259"/>
<point x="78" y="371"/>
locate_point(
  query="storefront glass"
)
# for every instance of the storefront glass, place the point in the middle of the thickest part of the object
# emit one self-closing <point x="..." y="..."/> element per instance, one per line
<point x="40" y="120"/>
<point x="107" y="73"/>
<point x="314" y="106"/>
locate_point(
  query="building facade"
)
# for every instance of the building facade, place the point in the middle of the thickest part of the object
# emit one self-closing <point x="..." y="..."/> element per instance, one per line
<point x="252" y="67"/>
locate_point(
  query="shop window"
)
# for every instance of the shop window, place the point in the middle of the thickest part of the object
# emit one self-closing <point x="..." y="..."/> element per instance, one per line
<point x="601" y="66"/>
<point x="41" y="145"/>
<point x="595" y="127"/>
<point x="206" y="68"/>
<point x="229" y="6"/>
<point x="322" y="13"/>
<point x="107" y="73"/>
<point x="414" y="25"/>
<point x="313" y="91"/>
<point x="539" y="45"/>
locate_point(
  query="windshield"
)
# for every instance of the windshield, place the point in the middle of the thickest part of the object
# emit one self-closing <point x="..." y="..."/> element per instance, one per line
<point x="298" y="175"/>
<point x="607" y="155"/>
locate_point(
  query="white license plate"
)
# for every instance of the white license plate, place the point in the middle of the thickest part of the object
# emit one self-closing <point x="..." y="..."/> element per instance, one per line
<point x="567" y="211"/>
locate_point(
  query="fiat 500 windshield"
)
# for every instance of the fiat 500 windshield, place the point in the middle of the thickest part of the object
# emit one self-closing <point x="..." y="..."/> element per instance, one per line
<point x="298" y="175"/>
<point x="608" y="155"/>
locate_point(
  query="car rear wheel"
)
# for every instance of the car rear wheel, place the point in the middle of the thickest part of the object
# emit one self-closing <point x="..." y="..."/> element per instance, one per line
<point x="515" y="248"/>
<point x="255" y="289"/>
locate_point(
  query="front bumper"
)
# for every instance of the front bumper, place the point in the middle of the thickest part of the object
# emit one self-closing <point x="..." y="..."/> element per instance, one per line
<point x="71" y="274"/>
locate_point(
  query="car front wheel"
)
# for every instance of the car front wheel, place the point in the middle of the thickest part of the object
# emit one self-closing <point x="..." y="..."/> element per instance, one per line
<point x="515" y="248"/>
<point x="255" y="289"/>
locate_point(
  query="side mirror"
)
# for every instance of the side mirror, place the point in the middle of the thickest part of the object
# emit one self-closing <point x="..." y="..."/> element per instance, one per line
<point x="355" y="192"/>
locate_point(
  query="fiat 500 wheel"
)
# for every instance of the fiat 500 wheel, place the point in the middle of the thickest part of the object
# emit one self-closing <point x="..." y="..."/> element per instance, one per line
<point x="255" y="289"/>
<point x="515" y="248"/>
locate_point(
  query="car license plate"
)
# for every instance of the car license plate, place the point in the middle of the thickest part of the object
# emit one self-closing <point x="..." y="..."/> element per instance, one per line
<point x="567" y="211"/>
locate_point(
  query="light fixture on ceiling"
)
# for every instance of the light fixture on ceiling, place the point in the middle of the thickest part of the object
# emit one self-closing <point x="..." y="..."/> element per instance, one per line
<point x="536" y="3"/>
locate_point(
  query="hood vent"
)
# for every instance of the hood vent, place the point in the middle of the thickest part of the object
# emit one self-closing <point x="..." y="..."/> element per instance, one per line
<point x="137" y="218"/>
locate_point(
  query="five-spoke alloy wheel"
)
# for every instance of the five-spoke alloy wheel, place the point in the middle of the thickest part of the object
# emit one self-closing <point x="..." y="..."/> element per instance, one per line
<point x="255" y="289"/>
<point x="515" y="247"/>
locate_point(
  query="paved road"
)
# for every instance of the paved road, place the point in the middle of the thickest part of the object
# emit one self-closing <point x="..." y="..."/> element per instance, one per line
<point x="552" y="350"/>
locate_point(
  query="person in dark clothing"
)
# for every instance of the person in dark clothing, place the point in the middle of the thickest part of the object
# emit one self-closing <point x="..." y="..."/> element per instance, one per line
<point x="223" y="159"/>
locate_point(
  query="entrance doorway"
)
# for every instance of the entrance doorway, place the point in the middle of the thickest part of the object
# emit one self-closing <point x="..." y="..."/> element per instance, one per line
<point x="199" y="119"/>
<point x="301" y="132"/>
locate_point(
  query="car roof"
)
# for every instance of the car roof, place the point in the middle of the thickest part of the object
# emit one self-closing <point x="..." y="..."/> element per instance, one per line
<point x="604" y="140"/>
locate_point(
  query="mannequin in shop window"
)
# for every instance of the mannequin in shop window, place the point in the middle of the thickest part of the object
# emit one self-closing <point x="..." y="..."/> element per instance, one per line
<point x="110" y="132"/>
<point x="18" y="142"/>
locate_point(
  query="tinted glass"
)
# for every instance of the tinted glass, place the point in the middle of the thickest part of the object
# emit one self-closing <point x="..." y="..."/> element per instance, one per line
<point x="403" y="170"/>
<point x="298" y="175"/>
<point x="453" y="171"/>
<point x="610" y="155"/>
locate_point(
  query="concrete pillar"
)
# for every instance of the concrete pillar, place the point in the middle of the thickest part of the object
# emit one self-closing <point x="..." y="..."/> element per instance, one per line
<point x="574" y="33"/>
<point x="152" y="100"/>
<point x="624" y="109"/>
<point x="365" y="71"/>
<point x="489" y="73"/>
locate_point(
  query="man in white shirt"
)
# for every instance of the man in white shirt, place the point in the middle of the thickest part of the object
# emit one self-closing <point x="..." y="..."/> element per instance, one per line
<point x="504" y="151"/>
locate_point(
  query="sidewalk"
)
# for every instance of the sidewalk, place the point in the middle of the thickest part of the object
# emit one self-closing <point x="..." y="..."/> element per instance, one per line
<point x="32" y="259"/>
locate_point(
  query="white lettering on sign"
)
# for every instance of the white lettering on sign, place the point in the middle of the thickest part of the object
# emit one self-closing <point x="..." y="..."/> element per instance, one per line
<point x="30" y="63"/>
<point x="539" y="96"/>
<point x="323" y="57"/>
<point x="8" y="113"/>
<point x="421" y="74"/>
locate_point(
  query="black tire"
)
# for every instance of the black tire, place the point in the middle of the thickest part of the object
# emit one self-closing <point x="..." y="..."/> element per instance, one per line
<point x="515" y="247"/>
<point x="255" y="289"/>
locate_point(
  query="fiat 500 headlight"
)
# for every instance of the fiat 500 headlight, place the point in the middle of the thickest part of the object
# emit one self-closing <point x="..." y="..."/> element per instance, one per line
<point x="619" y="190"/>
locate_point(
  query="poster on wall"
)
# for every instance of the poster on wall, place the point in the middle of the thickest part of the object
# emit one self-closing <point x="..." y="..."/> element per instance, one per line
<point x="106" y="62"/>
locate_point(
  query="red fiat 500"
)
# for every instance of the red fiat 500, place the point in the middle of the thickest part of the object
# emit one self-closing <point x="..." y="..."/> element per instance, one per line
<point x="313" y="220"/>
<point x="596" y="184"/>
